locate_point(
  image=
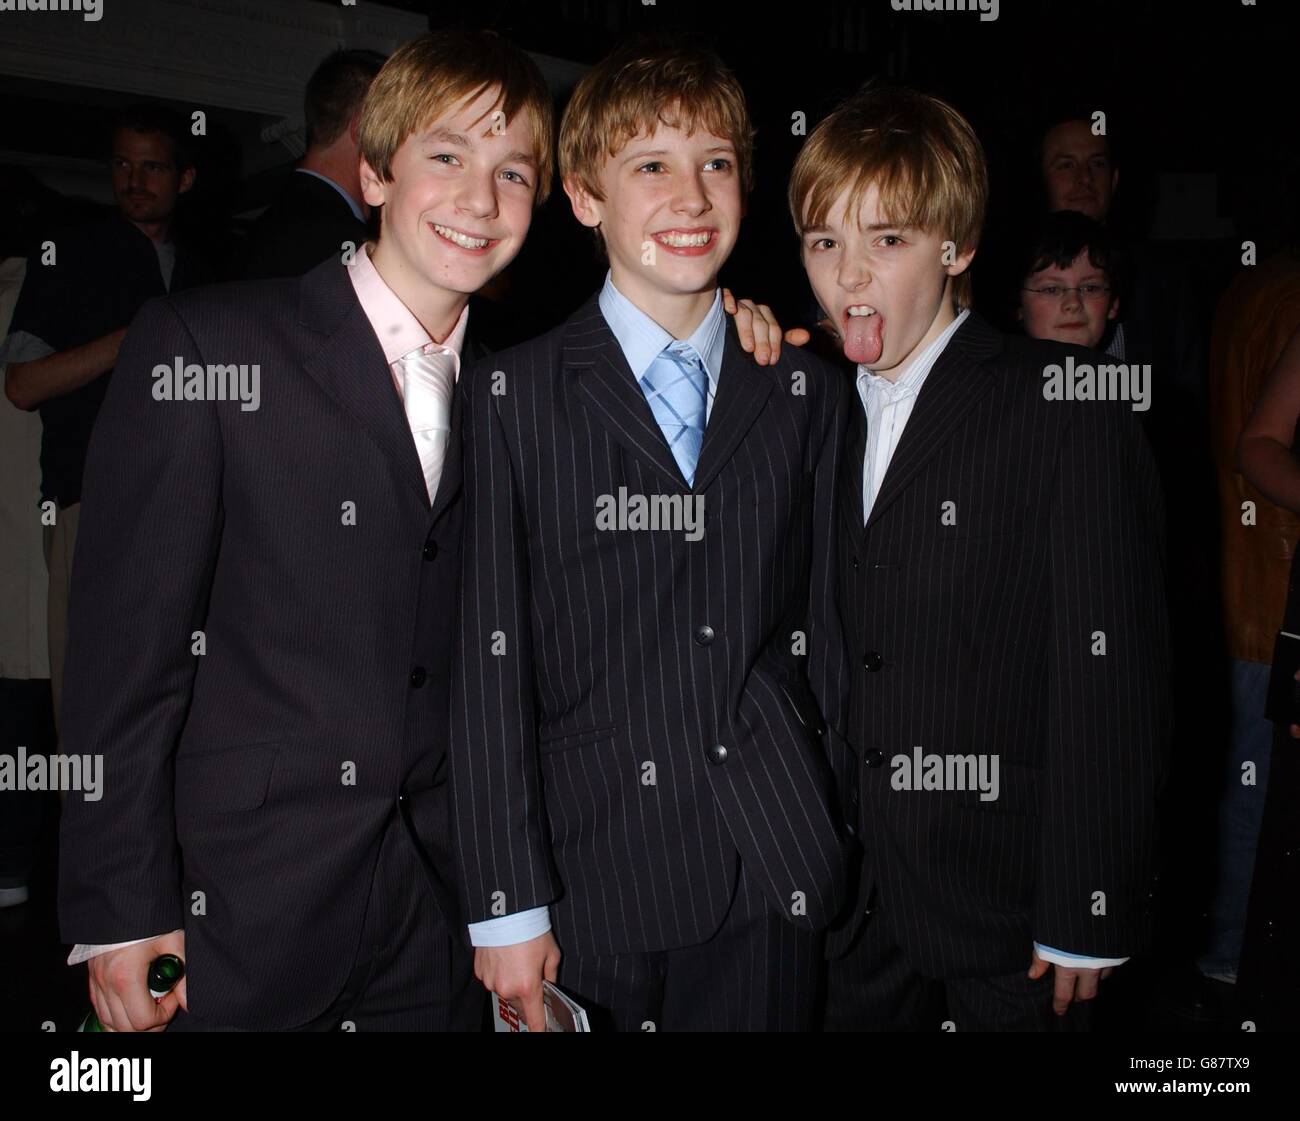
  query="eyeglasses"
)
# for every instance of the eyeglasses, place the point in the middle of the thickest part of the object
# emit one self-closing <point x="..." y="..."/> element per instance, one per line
<point x="1055" y="291"/>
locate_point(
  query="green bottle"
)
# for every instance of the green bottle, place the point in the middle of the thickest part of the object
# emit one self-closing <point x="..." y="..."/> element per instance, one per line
<point x="165" y="971"/>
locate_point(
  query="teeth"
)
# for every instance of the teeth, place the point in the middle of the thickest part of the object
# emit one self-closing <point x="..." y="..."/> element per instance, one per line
<point x="860" y="310"/>
<point x="684" y="241"/>
<point x="463" y="240"/>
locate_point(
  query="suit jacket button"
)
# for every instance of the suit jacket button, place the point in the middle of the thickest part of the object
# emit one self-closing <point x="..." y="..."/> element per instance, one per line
<point x="717" y="754"/>
<point x="873" y="661"/>
<point x="418" y="677"/>
<point x="873" y="757"/>
<point x="704" y="635"/>
<point x="854" y="562"/>
<point x="430" y="549"/>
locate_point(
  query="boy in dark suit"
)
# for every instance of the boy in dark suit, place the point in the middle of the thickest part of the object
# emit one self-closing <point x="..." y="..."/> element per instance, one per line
<point x="1000" y="586"/>
<point x="642" y="795"/>
<point x="260" y="647"/>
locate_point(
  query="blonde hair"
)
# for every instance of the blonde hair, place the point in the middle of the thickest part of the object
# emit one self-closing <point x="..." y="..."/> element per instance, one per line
<point x="633" y="90"/>
<point x="922" y="155"/>
<point x="428" y="76"/>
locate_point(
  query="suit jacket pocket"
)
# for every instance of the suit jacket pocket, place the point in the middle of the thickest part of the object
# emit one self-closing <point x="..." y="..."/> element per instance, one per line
<point x="556" y="739"/>
<point x="231" y="780"/>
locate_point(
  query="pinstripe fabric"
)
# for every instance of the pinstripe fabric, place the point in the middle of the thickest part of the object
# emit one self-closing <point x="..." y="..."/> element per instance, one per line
<point x="977" y="638"/>
<point x="264" y="772"/>
<point x="584" y="669"/>
<point x="757" y="973"/>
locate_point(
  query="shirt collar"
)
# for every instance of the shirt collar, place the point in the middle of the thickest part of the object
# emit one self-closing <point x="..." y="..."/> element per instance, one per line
<point x="398" y="330"/>
<point x="642" y="339"/>
<point x="353" y="205"/>
<point x="910" y="382"/>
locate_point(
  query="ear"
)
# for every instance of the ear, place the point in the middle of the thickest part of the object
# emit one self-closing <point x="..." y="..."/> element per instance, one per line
<point x="186" y="180"/>
<point x="1114" y="309"/>
<point x="373" y="189"/>
<point x="961" y="263"/>
<point x="585" y="208"/>
<point x="1114" y="180"/>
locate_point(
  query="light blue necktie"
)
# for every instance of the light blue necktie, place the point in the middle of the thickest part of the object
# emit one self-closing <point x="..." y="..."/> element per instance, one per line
<point x="675" y="386"/>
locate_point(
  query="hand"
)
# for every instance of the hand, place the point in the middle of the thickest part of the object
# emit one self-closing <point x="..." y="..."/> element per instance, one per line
<point x="758" y="330"/>
<point x="1070" y="984"/>
<point x="119" y="986"/>
<point x="515" y="973"/>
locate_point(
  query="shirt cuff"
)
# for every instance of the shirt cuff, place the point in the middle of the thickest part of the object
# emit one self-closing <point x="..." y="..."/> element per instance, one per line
<point x="22" y="346"/>
<point x="82" y="953"/>
<point x="510" y="930"/>
<point x="1075" y="961"/>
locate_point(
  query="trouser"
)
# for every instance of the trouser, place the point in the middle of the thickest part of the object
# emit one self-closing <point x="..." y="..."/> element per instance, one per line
<point x="1241" y="810"/>
<point x="757" y="973"/>
<point x="874" y="987"/>
<point x="412" y="972"/>
<point x="24" y="722"/>
<point x="60" y="540"/>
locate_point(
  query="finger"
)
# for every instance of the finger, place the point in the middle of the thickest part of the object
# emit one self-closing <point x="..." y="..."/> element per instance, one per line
<point x="1087" y="985"/>
<point x="117" y="1019"/>
<point x="182" y="995"/>
<point x="167" y="1009"/>
<point x="535" y="1010"/>
<point x="798" y="336"/>
<point x="141" y="1008"/>
<point x="728" y="302"/>
<point x="551" y="969"/>
<point x="745" y="327"/>
<point x="1063" y="991"/>
<point x="1037" y="966"/>
<point x="773" y="330"/>
<point x="1107" y="972"/>
<point x="1295" y="731"/>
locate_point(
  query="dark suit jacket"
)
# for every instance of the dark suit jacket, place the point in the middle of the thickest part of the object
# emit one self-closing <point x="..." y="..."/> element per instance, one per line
<point x="263" y="772"/>
<point x="979" y="637"/>
<point x="632" y="713"/>
<point x="307" y="223"/>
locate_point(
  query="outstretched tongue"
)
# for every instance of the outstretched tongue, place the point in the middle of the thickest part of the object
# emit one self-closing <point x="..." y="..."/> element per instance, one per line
<point x="862" y="338"/>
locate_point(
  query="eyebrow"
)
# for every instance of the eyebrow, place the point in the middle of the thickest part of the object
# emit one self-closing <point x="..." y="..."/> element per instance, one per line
<point x="637" y="154"/>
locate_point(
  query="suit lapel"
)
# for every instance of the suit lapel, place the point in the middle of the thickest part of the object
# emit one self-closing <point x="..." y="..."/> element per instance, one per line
<point x="743" y="389"/>
<point x="957" y="380"/>
<point x="349" y="365"/>
<point x="607" y="387"/>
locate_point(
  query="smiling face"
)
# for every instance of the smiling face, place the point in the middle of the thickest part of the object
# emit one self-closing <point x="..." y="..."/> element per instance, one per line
<point x="1077" y="170"/>
<point x="457" y="208"/>
<point x="885" y="287"/>
<point x="1068" y="316"/>
<point x="682" y="195"/>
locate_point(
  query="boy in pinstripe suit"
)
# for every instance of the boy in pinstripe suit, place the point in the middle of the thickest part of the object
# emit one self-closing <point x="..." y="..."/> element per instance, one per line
<point x="643" y="800"/>
<point x="1000" y="586"/>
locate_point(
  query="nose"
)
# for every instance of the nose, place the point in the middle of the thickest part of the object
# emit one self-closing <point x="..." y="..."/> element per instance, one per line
<point x="853" y="273"/>
<point x="691" y="198"/>
<point x="477" y="196"/>
<point x="1070" y="300"/>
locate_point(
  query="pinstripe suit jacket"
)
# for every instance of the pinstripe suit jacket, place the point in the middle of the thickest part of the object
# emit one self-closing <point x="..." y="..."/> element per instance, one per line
<point x="633" y="712"/>
<point x="328" y="647"/>
<point x="981" y="633"/>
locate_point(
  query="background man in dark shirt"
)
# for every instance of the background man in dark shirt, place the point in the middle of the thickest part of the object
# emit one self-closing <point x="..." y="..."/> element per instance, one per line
<point x="82" y="288"/>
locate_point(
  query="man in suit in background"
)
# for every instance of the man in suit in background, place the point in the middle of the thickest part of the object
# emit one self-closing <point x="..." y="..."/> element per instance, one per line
<point x="321" y="207"/>
<point x="636" y="754"/>
<point x="260" y="647"/>
<point x="1001" y="593"/>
